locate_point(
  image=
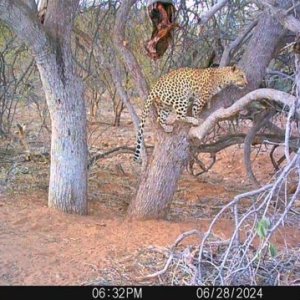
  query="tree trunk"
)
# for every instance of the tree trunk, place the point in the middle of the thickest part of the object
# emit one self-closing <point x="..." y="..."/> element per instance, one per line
<point x="51" y="47"/>
<point x="118" y="108"/>
<point x="64" y="95"/>
<point x="68" y="171"/>
<point x="159" y="182"/>
<point x="297" y="65"/>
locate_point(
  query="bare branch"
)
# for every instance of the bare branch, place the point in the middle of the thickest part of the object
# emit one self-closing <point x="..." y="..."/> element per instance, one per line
<point x="228" y="51"/>
<point x="114" y="151"/>
<point x="162" y="271"/>
<point x="208" y="15"/>
<point x="200" y="132"/>
<point x="239" y="138"/>
<point x="178" y="241"/>
<point x="27" y="26"/>
<point x="113" y="68"/>
<point x="296" y="50"/>
<point x="258" y="124"/>
<point x="116" y="72"/>
<point x="123" y="49"/>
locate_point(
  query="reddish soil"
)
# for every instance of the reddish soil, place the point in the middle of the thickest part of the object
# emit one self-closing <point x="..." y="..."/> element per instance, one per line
<point x="42" y="246"/>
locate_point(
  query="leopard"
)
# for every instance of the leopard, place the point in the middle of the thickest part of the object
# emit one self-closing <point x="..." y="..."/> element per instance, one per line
<point x="185" y="88"/>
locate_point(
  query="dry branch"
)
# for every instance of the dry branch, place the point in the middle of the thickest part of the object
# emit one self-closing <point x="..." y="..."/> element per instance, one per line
<point x="171" y="256"/>
<point x="130" y="61"/>
<point x="238" y="262"/>
<point x="201" y="131"/>
<point x="239" y="138"/>
<point x="123" y="49"/>
<point x="258" y="124"/>
<point x="208" y="15"/>
<point x="115" y="151"/>
<point x="228" y="51"/>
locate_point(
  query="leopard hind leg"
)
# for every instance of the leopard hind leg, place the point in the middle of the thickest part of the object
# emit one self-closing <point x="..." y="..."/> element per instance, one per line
<point x="163" y="113"/>
<point x="181" y="114"/>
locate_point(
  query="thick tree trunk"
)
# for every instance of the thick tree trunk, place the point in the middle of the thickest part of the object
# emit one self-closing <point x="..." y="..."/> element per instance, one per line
<point x="159" y="182"/>
<point x="50" y="45"/>
<point x="68" y="171"/>
<point x="64" y="95"/>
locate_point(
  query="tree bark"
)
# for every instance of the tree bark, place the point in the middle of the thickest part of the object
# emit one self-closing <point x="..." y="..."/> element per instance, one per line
<point x="31" y="4"/>
<point x="159" y="182"/>
<point x="203" y="129"/>
<point x="51" y="47"/>
<point x="68" y="170"/>
<point x="297" y="65"/>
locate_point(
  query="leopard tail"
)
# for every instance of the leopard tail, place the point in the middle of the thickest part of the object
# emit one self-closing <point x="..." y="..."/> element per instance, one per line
<point x="140" y="134"/>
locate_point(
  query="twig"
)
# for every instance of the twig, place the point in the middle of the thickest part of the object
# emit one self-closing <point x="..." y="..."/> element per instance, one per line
<point x="158" y="273"/>
<point x="288" y="132"/>
<point x="115" y="151"/>
<point x="185" y="235"/>
<point x="177" y="242"/>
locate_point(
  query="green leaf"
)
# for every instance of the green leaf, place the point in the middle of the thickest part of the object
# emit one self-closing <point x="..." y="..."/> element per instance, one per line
<point x="262" y="227"/>
<point x="272" y="250"/>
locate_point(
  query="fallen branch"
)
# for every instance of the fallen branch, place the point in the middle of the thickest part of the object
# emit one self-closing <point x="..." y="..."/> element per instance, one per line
<point x="162" y="271"/>
<point x="171" y="256"/>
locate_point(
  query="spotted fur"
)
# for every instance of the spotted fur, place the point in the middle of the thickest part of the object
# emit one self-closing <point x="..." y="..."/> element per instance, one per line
<point x="175" y="90"/>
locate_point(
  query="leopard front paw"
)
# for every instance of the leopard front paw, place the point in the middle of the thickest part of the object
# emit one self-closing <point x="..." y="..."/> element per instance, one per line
<point x="167" y="128"/>
<point x="195" y="122"/>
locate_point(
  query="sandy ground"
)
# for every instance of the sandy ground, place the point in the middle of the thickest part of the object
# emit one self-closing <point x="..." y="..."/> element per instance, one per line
<point x="42" y="246"/>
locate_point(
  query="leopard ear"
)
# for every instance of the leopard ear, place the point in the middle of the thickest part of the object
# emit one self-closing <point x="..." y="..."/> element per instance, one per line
<point x="233" y="68"/>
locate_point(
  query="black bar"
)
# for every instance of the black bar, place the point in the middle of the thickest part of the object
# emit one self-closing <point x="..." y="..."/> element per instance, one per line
<point x="149" y="292"/>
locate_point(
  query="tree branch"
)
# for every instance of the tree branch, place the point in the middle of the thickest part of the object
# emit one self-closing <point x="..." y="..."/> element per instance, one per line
<point x="116" y="75"/>
<point x="200" y="132"/>
<point x="24" y="22"/>
<point x="266" y="35"/>
<point x="113" y="68"/>
<point x="258" y="124"/>
<point x="225" y="59"/>
<point x="115" y="151"/>
<point x="123" y="50"/>
<point x="208" y="15"/>
<point x="239" y="138"/>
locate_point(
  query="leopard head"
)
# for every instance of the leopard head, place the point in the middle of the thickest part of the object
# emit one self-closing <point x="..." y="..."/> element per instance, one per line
<point x="237" y="77"/>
